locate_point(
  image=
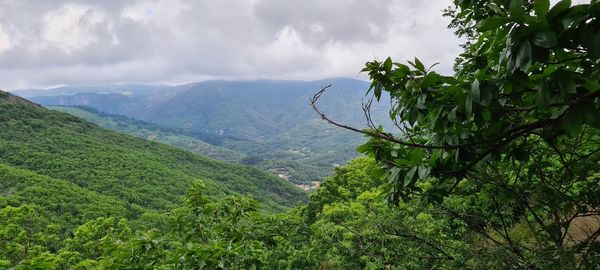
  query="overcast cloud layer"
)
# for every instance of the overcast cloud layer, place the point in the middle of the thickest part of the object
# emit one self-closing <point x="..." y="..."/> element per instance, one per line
<point x="52" y="42"/>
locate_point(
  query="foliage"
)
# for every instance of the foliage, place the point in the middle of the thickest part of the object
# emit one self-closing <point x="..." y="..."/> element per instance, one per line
<point x="509" y="144"/>
<point x="142" y="173"/>
<point x="355" y="229"/>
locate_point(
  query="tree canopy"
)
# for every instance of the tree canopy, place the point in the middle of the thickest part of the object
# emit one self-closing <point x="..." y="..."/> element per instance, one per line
<point x="510" y="140"/>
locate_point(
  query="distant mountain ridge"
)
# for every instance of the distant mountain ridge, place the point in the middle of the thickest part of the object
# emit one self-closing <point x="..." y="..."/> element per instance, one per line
<point x="244" y="109"/>
<point x="272" y="118"/>
<point x="133" y="89"/>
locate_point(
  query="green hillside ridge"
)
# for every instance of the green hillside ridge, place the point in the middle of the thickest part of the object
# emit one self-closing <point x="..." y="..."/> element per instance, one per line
<point x="141" y="174"/>
<point x="151" y="132"/>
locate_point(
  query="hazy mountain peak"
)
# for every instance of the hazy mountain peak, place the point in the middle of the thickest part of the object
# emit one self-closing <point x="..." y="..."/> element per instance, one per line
<point x="7" y="98"/>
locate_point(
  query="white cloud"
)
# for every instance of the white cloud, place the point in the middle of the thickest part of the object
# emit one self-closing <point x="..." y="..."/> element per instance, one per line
<point x="72" y="27"/>
<point x="162" y="13"/>
<point x="5" y="42"/>
<point x="54" y="42"/>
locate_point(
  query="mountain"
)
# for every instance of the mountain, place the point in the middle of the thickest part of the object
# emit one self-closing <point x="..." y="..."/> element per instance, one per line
<point x="125" y="89"/>
<point x="270" y="122"/>
<point x="78" y="171"/>
<point x="253" y="110"/>
<point x="295" y="171"/>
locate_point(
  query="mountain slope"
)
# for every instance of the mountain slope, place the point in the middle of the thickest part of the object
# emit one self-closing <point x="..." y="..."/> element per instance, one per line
<point x="151" y="132"/>
<point x="143" y="175"/>
<point x="70" y="203"/>
<point x="256" y="110"/>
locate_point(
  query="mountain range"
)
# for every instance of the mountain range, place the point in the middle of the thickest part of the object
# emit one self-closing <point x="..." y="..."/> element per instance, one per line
<point x="269" y="123"/>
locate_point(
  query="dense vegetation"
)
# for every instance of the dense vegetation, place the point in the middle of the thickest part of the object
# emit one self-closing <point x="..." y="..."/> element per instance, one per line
<point x="144" y="174"/>
<point x="509" y="145"/>
<point x="346" y="225"/>
<point x="497" y="167"/>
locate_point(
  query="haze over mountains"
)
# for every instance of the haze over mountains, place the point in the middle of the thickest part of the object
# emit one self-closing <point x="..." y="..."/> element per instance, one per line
<point x="270" y="123"/>
<point x="122" y="88"/>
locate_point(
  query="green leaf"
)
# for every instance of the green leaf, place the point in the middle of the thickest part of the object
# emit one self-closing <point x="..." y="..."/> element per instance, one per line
<point x="393" y="174"/>
<point x="495" y="8"/>
<point x="592" y="85"/>
<point x="404" y="68"/>
<point x="542" y="99"/>
<point x="565" y="81"/>
<point x="468" y="106"/>
<point x="475" y="92"/>
<point x="491" y="23"/>
<point x="591" y="114"/>
<point x="429" y="79"/>
<point x="593" y="46"/>
<point x="435" y="121"/>
<point x="572" y="122"/>
<point x="378" y="89"/>
<point x="424" y="171"/>
<point x="558" y="9"/>
<point x="416" y="155"/>
<point x="545" y="39"/>
<point x="595" y="8"/>
<point x="419" y="65"/>
<point x="541" y="7"/>
<point x="516" y="9"/>
<point x="409" y="176"/>
<point x="487" y="92"/>
<point x="558" y="113"/>
<point x="452" y="115"/>
<point x="387" y="64"/>
<point x="365" y="148"/>
<point x="486" y="115"/>
<point x="523" y="56"/>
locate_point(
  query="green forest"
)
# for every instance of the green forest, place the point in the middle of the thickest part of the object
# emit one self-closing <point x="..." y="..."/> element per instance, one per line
<point x="298" y="167"/>
<point x="496" y="166"/>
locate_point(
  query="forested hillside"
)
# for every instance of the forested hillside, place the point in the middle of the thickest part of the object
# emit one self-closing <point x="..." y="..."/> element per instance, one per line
<point x="143" y="174"/>
<point x="153" y="132"/>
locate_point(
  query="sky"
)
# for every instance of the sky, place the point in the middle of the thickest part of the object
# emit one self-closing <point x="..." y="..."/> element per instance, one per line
<point x="51" y="42"/>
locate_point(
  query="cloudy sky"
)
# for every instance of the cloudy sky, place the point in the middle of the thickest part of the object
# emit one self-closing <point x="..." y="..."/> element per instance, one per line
<point x="51" y="42"/>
